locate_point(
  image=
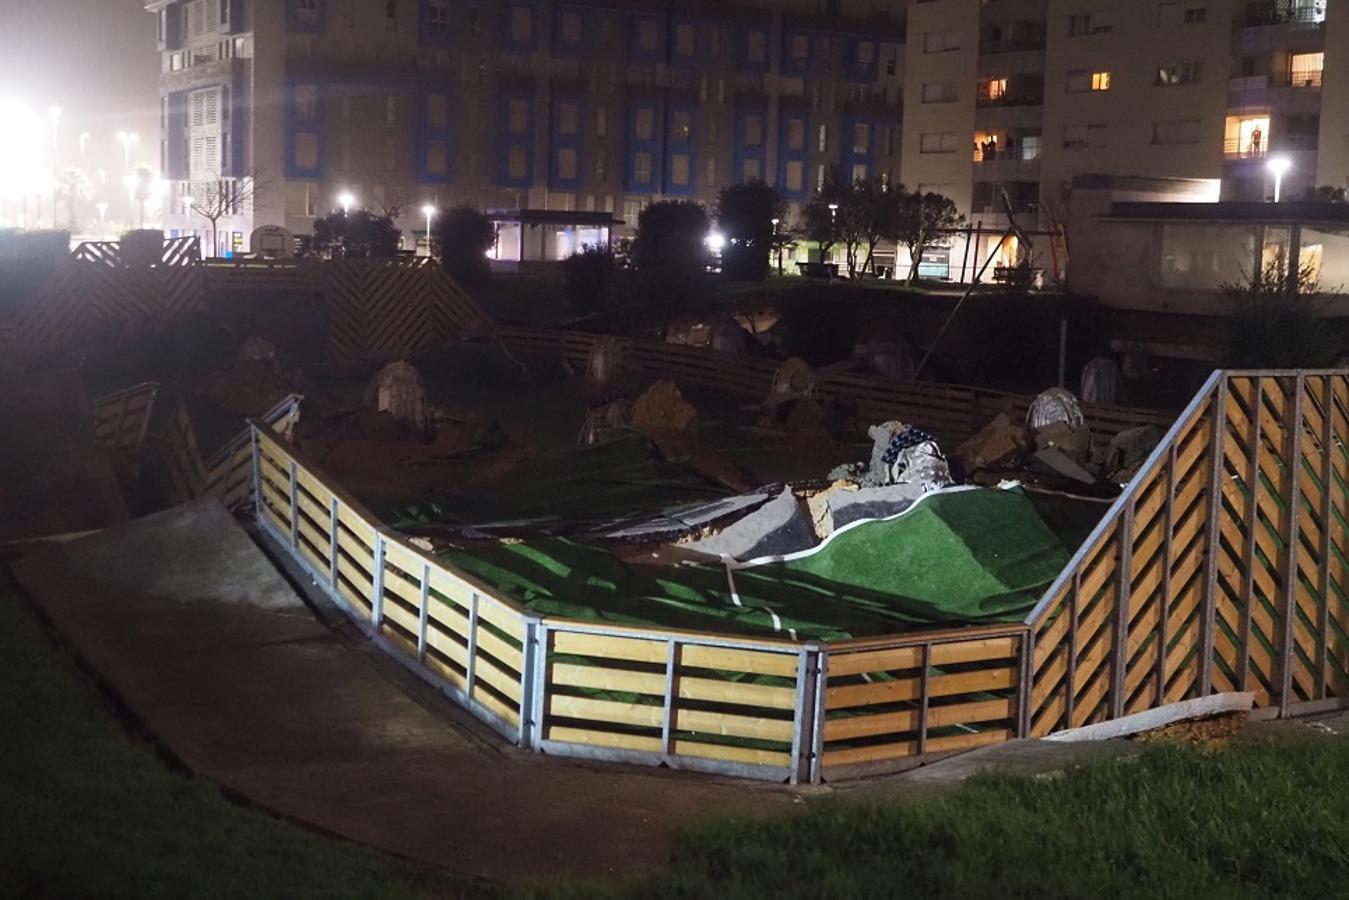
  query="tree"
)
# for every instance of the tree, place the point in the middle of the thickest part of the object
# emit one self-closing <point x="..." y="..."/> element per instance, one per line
<point x="72" y="189"/>
<point x="818" y="222"/>
<point x="925" y="222"/>
<point x="670" y="252"/>
<point x="1271" y="321"/>
<point x="869" y="211"/>
<point x="357" y="235"/>
<point x="222" y="197"/>
<point x="461" y="238"/>
<point x="1324" y="194"/>
<point x="745" y="215"/>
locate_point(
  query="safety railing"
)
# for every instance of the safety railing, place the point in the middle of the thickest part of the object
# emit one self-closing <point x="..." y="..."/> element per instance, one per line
<point x="227" y="474"/>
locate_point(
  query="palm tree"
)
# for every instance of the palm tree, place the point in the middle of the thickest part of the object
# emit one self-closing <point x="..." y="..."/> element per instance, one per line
<point x="72" y="188"/>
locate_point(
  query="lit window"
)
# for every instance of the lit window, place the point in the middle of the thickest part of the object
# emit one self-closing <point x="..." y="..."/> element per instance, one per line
<point x="517" y="164"/>
<point x="753" y="131"/>
<point x="823" y="141"/>
<point x="568" y="118"/>
<point x="796" y="134"/>
<point x="752" y="170"/>
<point x="681" y="126"/>
<point x="644" y="125"/>
<point x="859" y="172"/>
<point x="522" y="25"/>
<point x="306" y="102"/>
<point x="679" y="170"/>
<point x="993" y="89"/>
<point x="566" y="163"/>
<point x="686" y="41"/>
<point x="1100" y="81"/>
<point x="518" y="115"/>
<point x="437" y="110"/>
<point x="796" y="176"/>
<point x="1180" y="73"/>
<point x="641" y="168"/>
<point x="1304" y="69"/>
<point x="861" y="138"/>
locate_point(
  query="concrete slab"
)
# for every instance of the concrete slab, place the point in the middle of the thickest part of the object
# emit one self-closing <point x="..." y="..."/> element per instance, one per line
<point x="186" y="620"/>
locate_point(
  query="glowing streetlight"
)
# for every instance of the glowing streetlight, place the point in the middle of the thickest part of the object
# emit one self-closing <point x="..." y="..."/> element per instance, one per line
<point x="127" y="139"/>
<point x="775" y="241"/>
<point x="1278" y="167"/>
<point x="833" y="212"/>
<point x="102" y="221"/>
<point x="346" y="201"/>
<point x="430" y="212"/>
<point x="715" y="241"/>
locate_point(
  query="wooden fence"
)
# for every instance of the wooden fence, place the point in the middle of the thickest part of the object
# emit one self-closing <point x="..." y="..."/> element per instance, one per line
<point x="377" y="309"/>
<point x="1221" y="568"/>
<point x="122" y="418"/>
<point x="951" y="412"/>
<point x="227" y="474"/>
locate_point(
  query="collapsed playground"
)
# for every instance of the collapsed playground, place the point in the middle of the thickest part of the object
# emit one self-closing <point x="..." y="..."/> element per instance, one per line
<point x="657" y="553"/>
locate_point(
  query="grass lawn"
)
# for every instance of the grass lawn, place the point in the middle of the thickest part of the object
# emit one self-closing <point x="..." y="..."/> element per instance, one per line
<point x="86" y="811"/>
<point x="1253" y="820"/>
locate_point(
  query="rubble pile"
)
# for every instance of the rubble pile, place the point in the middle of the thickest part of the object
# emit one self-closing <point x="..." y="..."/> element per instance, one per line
<point x="254" y="384"/>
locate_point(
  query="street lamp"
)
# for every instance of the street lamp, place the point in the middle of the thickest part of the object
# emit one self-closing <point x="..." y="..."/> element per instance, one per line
<point x="346" y="201"/>
<point x="775" y="242"/>
<point x="1278" y="167"/>
<point x="715" y="241"/>
<point x="102" y="221"/>
<point x="85" y="138"/>
<point x="430" y="212"/>
<point x="127" y="139"/>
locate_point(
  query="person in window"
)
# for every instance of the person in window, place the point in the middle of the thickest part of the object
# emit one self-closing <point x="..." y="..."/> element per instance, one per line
<point x="1257" y="141"/>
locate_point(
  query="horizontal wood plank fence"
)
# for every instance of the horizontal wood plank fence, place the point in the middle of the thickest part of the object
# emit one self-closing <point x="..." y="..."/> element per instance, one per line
<point x="951" y="412"/>
<point x="1221" y="568"/>
<point x="227" y="474"/>
<point x="122" y="418"/>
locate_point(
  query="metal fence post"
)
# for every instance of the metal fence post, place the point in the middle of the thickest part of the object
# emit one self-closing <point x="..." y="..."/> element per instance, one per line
<point x="817" y="721"/>
<point x="294" y="509"/>
<point x="377" y="583"/>
<point x="1287" y="652"/>
<point x="805" y="717"/>
<point x="1123" y="589"/>
<point x="333" y="547"/>
<point x="533" y="682"/>
<point x="1026" y="682"/>
<point x="671" y="692"/>
<point x="257" y="472"/>
<point x="1208" y="621"/>
<point x="424" y="612"/>
<point x="1168" y="560"/>
<point x="470" y="670"/>
<point x="924" y="690"/>
<point x="1327" y="545"/>
<point x="1252" y="522"/>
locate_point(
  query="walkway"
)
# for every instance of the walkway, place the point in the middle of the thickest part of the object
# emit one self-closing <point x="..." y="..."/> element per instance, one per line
<point x="189" y="623"/>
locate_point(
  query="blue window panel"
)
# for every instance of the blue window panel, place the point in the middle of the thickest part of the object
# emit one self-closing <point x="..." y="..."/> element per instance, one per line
<point x="573" y="46"/>
<point x="851" y="155"/>
<point x="295" y="127"/>
<point x="792" y="39"/>
<point x="786" y="154"/>
<point x="747" y="153"/>
<point x="515" y="145"/>
<point x="315" y="22"/>
<point x="752" y="49"/>
<point x="558" y="141"/>
<point x="650" y="145"/>
<point x="429" y="133"/>
<point x="680" y="145"/>
<point x="860" y="69"/>
<point x="646" y="40"/>
<point x="509" y="41"/>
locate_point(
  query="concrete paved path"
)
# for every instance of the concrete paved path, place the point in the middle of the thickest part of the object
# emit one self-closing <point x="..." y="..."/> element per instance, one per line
<point x="189" y="623"/>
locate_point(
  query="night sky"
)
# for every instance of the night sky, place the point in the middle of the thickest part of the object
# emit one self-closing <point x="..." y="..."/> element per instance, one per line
<point x="96" y="59"/>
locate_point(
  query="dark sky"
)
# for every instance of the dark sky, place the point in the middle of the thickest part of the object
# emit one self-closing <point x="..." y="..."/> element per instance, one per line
<point x="96" y="59"/>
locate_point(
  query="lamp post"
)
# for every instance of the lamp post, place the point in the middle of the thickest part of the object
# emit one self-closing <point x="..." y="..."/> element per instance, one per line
<point x="127" y="139"/>
<point x="102" y="221"/>
<point x="430" y="212"/>
<point x="346" y="201"/>
<point x="85" y="138"/>
<point x="1278" y="167"/>
<point x="833" y="223"/>
<point x="776" y="244"/>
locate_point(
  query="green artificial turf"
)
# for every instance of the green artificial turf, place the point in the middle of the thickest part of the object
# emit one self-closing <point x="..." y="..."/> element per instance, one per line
<point x="1258" y="820"/>
<point x="959" y="557"/>
<point x="88" y="812"/>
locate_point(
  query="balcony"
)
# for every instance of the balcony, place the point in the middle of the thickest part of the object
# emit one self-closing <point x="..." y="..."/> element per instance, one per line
<point x="1235" y="149"/>
<point x="1301" y="15"/>
<point x="1012" y="45"/>
<point x="1010" y="98"/>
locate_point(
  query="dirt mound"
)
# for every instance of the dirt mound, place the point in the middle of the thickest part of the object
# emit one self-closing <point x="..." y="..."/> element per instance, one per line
<point x="662" y="411"/>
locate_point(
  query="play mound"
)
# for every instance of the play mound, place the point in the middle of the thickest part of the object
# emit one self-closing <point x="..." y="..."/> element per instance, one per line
<point x="958" y="557"/>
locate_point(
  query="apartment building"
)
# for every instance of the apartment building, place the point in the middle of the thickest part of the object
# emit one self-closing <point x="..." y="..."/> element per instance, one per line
<point x="606" y="105"/>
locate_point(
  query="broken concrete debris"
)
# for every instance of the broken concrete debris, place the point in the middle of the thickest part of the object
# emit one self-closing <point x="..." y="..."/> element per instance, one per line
<point x="1053" y="461"/>
<point x="1074" y="442"/>
<point x="254" y="383"/>
<point x="1128" y="451"/>
<point x="1001" y="444"/>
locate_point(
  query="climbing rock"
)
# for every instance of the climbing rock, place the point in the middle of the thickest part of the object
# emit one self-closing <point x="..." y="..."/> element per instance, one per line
<point x="1102" y="382"/>
<point x="399" y="391"/>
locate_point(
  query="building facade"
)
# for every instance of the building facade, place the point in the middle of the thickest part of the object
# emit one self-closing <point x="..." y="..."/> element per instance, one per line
<point x="607" y="105"/>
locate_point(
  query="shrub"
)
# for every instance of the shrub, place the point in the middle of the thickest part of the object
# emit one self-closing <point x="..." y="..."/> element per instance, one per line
<point x="669" y="252"/>
<point x="357" y="235"/>
<point x="1273" y="322"/>
<point x="588" y="280"/>
<point x="745" y="213"/>
<point x="461" y="238"/>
